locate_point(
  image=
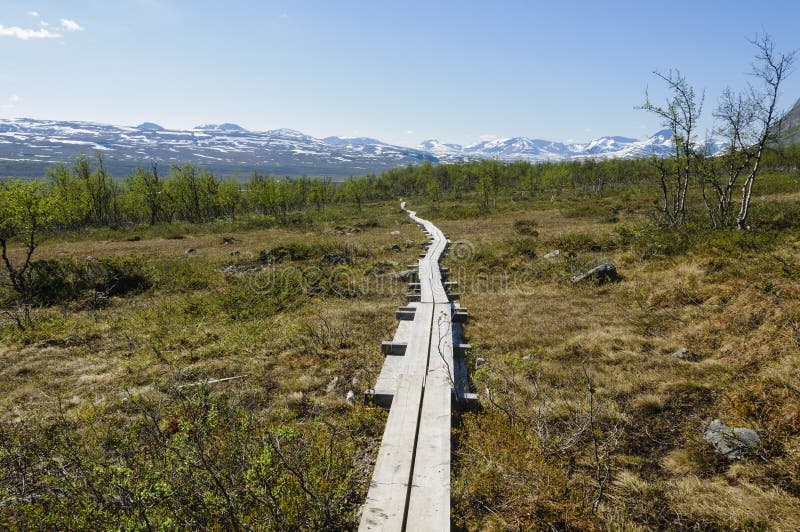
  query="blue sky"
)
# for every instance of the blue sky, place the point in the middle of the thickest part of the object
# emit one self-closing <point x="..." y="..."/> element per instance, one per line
<point x="400" y="71"/>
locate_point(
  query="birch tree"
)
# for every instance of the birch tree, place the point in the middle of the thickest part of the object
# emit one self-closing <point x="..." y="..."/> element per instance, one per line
<point x="749" y="122"/>
<point x="681" y="114"/>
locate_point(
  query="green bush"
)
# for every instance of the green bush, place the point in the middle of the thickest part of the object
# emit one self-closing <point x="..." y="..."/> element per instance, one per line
<point x="60" y="281"/>
<point x="581" y="242"/>
<point x="526" y="227"/>
<point x="524" y="247"/>
<point x="188" y="461"/>
<point x="301" y="251"/>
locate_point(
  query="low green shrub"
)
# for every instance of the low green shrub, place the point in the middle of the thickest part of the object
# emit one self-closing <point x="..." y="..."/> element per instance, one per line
<point x="191" y="460"/>
<point x="59" y="281"/>
<point x="526" y="227"/>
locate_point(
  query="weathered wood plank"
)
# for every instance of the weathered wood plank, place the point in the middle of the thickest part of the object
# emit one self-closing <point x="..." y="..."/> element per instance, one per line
<point x="410" y="488"/>
<point x="386" y="501"/>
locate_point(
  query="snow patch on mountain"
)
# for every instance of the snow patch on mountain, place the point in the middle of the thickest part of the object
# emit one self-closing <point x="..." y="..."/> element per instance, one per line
<point x="150" y="126"/>
<point x="352" y="141"/>
<point x="230" y="149"/>
<point x="227" y="126"/>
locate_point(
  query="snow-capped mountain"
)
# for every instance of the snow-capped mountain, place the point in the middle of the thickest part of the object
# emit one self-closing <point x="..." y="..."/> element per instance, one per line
<point x="522" y="148"/>
<point x="789" y="125"/>
<point x="28" y="146"/>
<point x="351" y="141"/>
<point x="227" y="126"/>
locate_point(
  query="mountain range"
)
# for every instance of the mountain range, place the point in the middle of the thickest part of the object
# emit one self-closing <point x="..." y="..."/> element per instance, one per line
<point x="28" y="146"/>
<point x="789" y="126"/>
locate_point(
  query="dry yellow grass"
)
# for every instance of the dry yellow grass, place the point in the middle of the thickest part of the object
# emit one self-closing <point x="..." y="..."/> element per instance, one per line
<point x="741" y="352"/>
<point x="736" y="313"/>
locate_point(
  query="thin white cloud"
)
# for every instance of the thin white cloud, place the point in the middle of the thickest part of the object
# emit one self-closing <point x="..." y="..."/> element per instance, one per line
<point x="10" y="102"/>
<point x="27" y="33"/>
<point x="70" y="25"/>
<point x="33" y="13"/>
<point x="44" y="23"/>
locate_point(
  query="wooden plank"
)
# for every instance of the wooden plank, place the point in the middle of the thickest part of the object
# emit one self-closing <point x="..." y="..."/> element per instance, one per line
<point x="410" y="488"/>
<point x="394" y="348"/>
<point x="386" y="501"/>
<point x="429" y="501"/>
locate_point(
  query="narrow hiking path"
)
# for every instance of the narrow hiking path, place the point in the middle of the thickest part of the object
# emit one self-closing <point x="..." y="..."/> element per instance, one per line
<point x="423" y="375"/>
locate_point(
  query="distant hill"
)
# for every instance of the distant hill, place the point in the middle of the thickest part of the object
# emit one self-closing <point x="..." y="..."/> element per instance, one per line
<point x="523" y="148"/>
<point x="227" y="126"/>
<point x="790" y="125"/>
<point x="352" y="141"/>
<point x="150" y="126"/>
<point x="28" y="146"/>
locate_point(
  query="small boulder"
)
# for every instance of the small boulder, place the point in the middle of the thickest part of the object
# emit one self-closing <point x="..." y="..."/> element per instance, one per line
<point x="480" y="362"/>
<point x="347" y="230"/>
<point x="394" y="247"/>
<point x="553" y="254"/>
<point x="190" y="251"/>
<point x="731" y="442"/>
<point x="274" y="256"/>
<point x="405" y="275"/>
<point x="684" y="353"/>
<point x="409" y="244"/>
<point x="602" y="274"/>
<point x="331" y="385"/>
<point x="227" y="240"/>
<point x="334" y="259"/>
<point x="351" y="397"/>
<point x="395" y="232"/>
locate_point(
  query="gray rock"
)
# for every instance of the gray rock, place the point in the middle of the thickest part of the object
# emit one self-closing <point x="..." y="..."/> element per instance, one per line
<point x="351" y="398"/>
<point x="190" y="251"/>
<point x="604" y="273"/>
<point x="394" y="247"/>
<point x="479" y="362"/>
<point x="336" y="259"/>
<point x="274" y="256"/>
<point x="332" y="385"/>
<point x="395" y="233"/>
<point x="684" y="354"/>
<point x="553" y="254"/>
<point x="347" y="230"/>
<point x="233" y="269"/>
<point x="405" y="275"/>
<point x="731" y="442"/>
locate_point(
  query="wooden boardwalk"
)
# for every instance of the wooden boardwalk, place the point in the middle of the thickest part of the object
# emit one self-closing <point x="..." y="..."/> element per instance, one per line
<point x="423" y="375"/>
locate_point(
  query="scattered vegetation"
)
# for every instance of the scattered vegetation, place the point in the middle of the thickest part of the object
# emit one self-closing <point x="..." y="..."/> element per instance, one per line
<point x="180" y="351"/>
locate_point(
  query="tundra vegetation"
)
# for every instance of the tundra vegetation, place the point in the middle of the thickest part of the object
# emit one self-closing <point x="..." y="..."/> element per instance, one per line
<point x="180" y="351"/>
